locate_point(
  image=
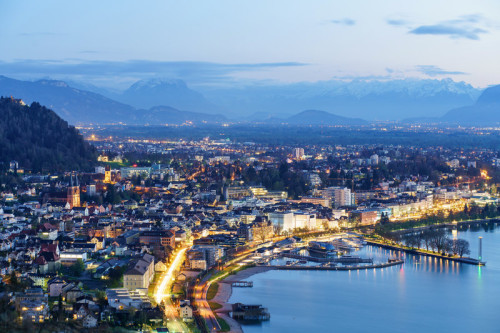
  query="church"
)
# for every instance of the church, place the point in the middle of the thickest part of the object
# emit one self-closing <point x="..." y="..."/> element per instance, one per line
<point x="69" y="198"/>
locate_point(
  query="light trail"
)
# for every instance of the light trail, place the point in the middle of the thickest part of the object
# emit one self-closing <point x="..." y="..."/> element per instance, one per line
<point x="168" y="275"/>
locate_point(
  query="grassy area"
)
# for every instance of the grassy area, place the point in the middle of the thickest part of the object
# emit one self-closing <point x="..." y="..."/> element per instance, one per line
<point x="117" y="165"/>
<point x="224" y="326"/>
<point x="214" y="306"/>
<point x="192" y="327"/>
<point x="212" y="291"/>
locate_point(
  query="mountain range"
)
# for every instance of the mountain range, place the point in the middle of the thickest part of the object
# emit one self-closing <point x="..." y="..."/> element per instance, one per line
<point x="370" y="100"/>
<point x="84" y="107"/>
<point x="161" y="101"/>
<point x="486" y="110"/>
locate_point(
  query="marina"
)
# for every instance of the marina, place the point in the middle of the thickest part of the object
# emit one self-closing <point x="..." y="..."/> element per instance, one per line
<point x="400" y="294"/>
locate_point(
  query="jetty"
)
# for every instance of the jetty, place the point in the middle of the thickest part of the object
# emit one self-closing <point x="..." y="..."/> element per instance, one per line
<point x="389" y="263"/>
<point x="337" y="260"/>
<point x="465" y="260"/>
<point x="242" y="284"/>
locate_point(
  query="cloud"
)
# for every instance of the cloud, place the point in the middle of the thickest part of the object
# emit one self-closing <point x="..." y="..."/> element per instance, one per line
<point x="190" y="71"/>
<point x="431" y="70"/>
<point x="466" y="27"/>
<point x="344" y="21"/>
<point x="397" y="22"/>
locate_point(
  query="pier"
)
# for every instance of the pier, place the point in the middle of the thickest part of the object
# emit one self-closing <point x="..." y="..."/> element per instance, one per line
<point x="242" y="284"/>
<point x="335" y="268"/>
<point x="338" y="260"/>
<point x="470" y="261"/>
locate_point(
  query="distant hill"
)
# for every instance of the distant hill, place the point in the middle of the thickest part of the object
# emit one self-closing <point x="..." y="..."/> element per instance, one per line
<point x="174" y="93"/>
<point x="73" y="105"/>
<point x="169" y="115"/>
<point x="38" y="139"/>
<point x="318" y="117"/>
<point x="83" y="107"/>
<point x="486" y="110"/>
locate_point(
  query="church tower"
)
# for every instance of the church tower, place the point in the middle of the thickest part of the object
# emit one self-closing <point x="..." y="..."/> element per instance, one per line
<point x="73" y="196"/>
<point x="107" y="174"/>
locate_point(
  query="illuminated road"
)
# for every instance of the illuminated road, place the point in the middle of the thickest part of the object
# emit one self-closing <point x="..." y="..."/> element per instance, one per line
<point x="204" y="307"/>
<point x="175" y="324"/>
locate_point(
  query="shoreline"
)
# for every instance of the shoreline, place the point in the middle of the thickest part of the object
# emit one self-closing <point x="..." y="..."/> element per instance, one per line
<point x="463" y="260"/>
<point x="226" y="290"/>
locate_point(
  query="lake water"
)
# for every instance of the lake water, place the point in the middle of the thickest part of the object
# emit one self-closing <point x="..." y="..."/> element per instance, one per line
<point x="423" y="295"/>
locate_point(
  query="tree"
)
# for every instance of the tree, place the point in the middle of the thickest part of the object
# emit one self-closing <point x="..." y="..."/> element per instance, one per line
<point x="260" y="233"/>
<point x="60" y="309"/>
<point x="78" y="267"/>
<point x="438" y="240"/>
<point x="461" y="247"/>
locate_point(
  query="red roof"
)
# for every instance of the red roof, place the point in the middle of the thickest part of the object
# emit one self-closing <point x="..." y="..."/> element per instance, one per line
<point x="40" y="261"/>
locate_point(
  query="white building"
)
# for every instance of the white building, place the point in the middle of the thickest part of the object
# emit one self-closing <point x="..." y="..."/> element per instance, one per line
<point x="288" y="221"/>
<point x="285" y="221"/>
<point x="298" y="153"/>
<point x="339" y="196"/>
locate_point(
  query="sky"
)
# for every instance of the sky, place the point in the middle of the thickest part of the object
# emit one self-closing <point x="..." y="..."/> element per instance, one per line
<point x="117" y="41"/>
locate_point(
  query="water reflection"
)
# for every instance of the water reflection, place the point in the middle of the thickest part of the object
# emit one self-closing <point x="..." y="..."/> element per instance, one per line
<point x="426" y="294"/>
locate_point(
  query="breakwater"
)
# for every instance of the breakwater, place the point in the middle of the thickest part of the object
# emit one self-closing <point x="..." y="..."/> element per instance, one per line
<point x="470" y="261"/>
<point x="333" y="268"/>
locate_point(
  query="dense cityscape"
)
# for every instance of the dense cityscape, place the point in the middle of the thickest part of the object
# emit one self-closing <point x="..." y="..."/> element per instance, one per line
<point x="150" y="238"/>
<point x="278" y="166"/>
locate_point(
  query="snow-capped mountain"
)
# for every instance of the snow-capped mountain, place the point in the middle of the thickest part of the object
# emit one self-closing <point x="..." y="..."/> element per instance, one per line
<point x="373" y="100"/>
<point x="174" y="93"/>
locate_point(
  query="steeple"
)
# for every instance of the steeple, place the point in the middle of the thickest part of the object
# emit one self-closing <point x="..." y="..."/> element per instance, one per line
<point x="71" y="181"/>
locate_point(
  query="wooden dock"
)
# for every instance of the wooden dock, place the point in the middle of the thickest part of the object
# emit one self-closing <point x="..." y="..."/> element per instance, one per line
<point x="242" y="284"/>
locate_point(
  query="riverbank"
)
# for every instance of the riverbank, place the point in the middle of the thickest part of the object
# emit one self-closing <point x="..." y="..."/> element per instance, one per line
<point x="225" y="291"/>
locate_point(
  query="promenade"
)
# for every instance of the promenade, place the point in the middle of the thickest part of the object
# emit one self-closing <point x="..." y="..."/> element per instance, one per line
<point x="464" y="260"/>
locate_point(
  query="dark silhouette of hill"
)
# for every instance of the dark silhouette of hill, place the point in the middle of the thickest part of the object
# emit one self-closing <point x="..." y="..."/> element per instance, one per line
<point x="169" y="115"/>
<point x="38" y="139"/>
<point x="318" y="117"/>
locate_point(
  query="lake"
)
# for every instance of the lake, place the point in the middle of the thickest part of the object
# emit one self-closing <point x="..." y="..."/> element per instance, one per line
<point x="423" y="295"/>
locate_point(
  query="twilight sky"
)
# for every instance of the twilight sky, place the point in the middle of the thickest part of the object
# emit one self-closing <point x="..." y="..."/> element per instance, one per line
<point x="278" y="40"/>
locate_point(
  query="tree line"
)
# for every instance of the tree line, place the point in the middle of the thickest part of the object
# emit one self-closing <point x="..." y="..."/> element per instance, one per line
<point x="470" y="212"/>
<point x="436" y="240"/>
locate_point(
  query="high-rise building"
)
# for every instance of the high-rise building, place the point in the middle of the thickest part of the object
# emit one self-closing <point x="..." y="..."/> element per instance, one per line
<point x="298" y="153"/>
<point x="339" y="196"/>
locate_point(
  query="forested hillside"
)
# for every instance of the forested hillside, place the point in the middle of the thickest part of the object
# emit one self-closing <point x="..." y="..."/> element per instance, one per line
<point x="40" y="140"/>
